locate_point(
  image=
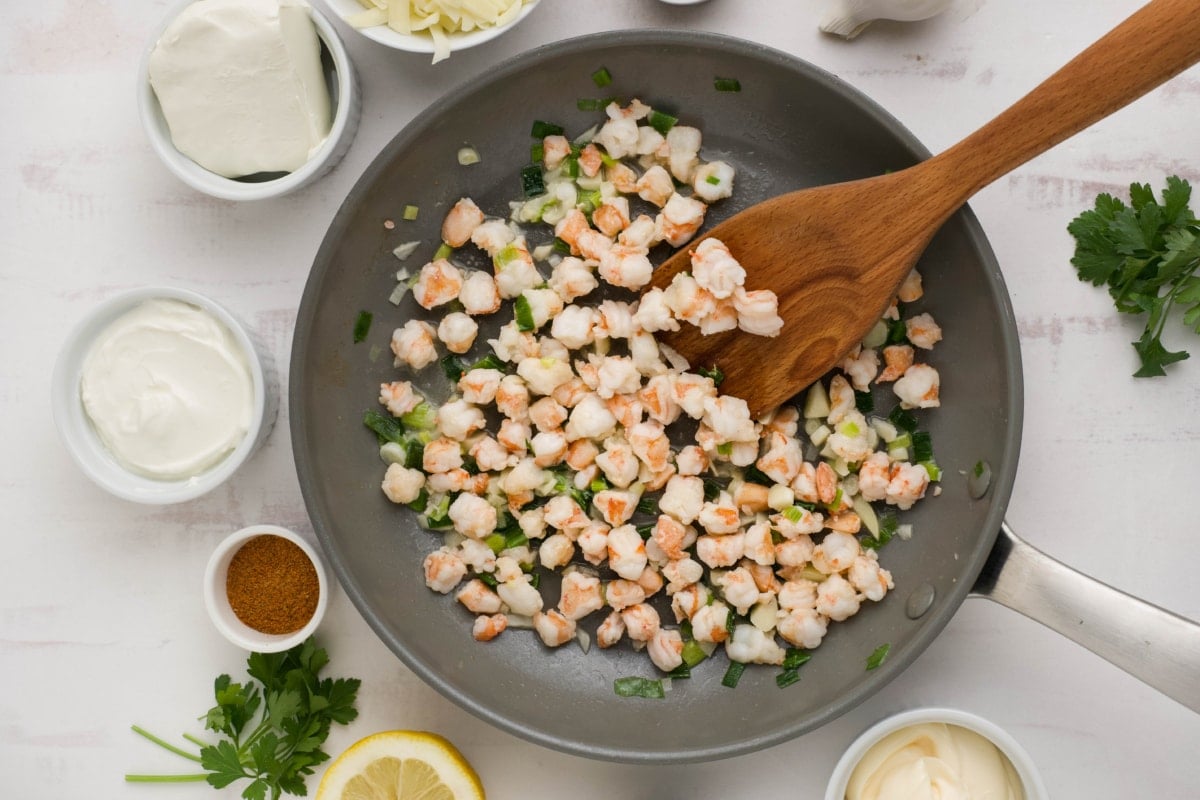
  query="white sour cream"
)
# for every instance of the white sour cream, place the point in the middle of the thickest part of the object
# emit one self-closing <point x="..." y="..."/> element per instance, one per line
<point x="168" y="389"/>
<point x="241" y="86"/>
<point x="934" y="761"/>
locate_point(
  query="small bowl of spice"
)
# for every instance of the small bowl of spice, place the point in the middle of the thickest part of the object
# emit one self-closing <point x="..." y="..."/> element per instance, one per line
<point x="265" y="588"/>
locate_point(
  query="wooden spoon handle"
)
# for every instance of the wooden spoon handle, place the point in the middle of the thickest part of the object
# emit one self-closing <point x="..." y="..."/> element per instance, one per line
<point x="1158" y="42"/>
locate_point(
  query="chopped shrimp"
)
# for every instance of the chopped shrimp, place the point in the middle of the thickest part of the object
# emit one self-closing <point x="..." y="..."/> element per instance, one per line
<point x="399" y="397"/>
<point x="526" y="476"/>
<point x="749" y="645"/>
<point x="835" y="552"/>
<point x="713" y="181"/>
<point x="520" y="596"/>
<point x="641" y="622"/>
<point x="590" y="160"/>
<point x="715" y="268"/>
<point x="739" y="589"/>
<point x="910" y="290"/>
<point x="610" y="630"/>
<point x="897" y="358"/>
<point x="873" y="477"/>
<point x="564" y="514"/>
<point x="580" y="595"/>
<point x="708" y="623"/>
<point x="841" y="399"/>
<point x="650" y="444"/>
<point x="570" y="394"/>
<point x="758" y="312"/>
<point x="785" y="421"/>
<point x="836" y="598"/>
<point x="443" y="570"/>
<point x="458" y="419"/>
<point x="665" y="649"/>
<point x="799" y="593"/>
<point x="918" y="388"/>
<point x="492" y="236"/>
<point x="681" y="218"/>
<point x="622" y="177"/>
<point x="413" y="344"/>
<point x="683" y="498"/>
<point x="478" y="597"/>
<point x="750" y="498"/>
<point x="512" y="398"/>
<point x="454" y="480"/>
<point x="554" y="149"/>
<point x="479" y="294"/>
<point x="556" y="550"/>
<point x="764" y="578"/>
<point x="621" y="593"/>
<point x="691" y="460"/>
<point x="618" y="463"/>
<point x="680" y="573"/>
<point x="721" y="551"/>
<point x="457" y="331"/>
<point x="479" y="386"/>
<point x="649" y="140"/>
<point x="626" y="552"/>
<point x="590" y="419"/>
<point x="544" y="305"/>
<point x="461" y="222"/>
<point x="618" y="137"/>
<point x="923" y="331"/>
<point x="657" y="398"/>
<point x="655" y="186"/>
<point x="724" y="317"/>
<point x="544" y="375"/>
<point x="593" y="542"/>
<point x="826" y="483"/>
<point x="906" y="485"/>
<point x="547" y="415"/>
<point x="759" y="546"/>
<point x="653" y="314"/>
<point x="688" y="300"/>
<point x="489" y="455"/>
<point x="626" y="409"/>
<point x="868" y="577"/>
<point x="581" y="454"/>
<point x="486" y="628"/>
<point x="553" y="628"/>
<point x="861" y="367"/>
<point x="618" y="376"/>
<point x="797" y="523"/>
<point x="514" y="269"/>
<point x="641" y="232"/>
<point x="593" y="244"/>
<point x="572" y="278"/>
<point x="472" y="516"/>
<point x="805" y="484"/>
<point x="729" y="418"/>
<point x="672" y="536"/>
<point x="692" y="391"/>
<point x="686" y="602"/>
<point x="794" y="552"/>
<point x="625" y="266"/>
<point x="615" y="506"/>
<point x="684" y="143"/>
<point x="612" y="216"/>
<point x="438" y="283"/>
<point x="781" y="463"/>
<point x="802" y="627"/>
<point x="402" y="485"/>
<point x="548" y="448"/>
<point x="720" y="516"/>
<point x="441" y="455"/>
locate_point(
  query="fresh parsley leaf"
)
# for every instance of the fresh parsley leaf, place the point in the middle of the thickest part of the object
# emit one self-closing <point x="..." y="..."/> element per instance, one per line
<point x="877" y="656"/>
<point x="1148" y="254"/>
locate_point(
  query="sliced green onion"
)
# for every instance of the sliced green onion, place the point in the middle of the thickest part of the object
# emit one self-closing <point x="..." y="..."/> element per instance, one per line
<point x="593" y="103"/>
<point x="787" y="678"/>
<point x="532" y="182"/>
<point x="570" y="167"/>
<point x="645" y="531"/>
<point x="903" y="419"/>
<point x="753" y="474"/>
<point x="714" y="372"/>
<point x="470" y="465"/>
<point x="453" y="367"/>
<point x="733" y="674"/>
<point x="598" y="485"/>
<point x="362" y="326"/>
<point x="901" y="442"/>
<point x="727" y="84"/>
<point x="537" y="152"/>
<point x="490" y="361"/>
<point x="387" y="428"/>
<point x="561" y="247"/>
<point x="692" y="653"/>
<point x="422" y="418"/>
<point x="410" y="213"/>
<point x="725" y="448"/>
<point x="523" y="313"/>
<point x="932" y="470"/>
<point x="877" y="657"/>
<point x="602" y="77"/>
<point x="661" y="122"/>
<point x="420" y="503"/>
<point x="922" y="446"/>
<point x="647" y="505"/>
<point x="793" y="513"/>
<point x="682" y="671"/>
<point x="496" y="542"/>
<point x="634" y="686"/>
<point x="444" y="251"/>
<point x="468" y="156"/>
<point x="437" y="514"/>
<point x="864" y="402"/>
<point x="541" y="130"/>
<point x="515" y="538"/>
<point x="712" y="489"/>
<point x="897" y="332"/>
<point x="488" y="578"/>
<point x="888" y="524"/>
<point x="713" y="179"/>
<point x="795" y="658"/>
<point x="415" y="457"/>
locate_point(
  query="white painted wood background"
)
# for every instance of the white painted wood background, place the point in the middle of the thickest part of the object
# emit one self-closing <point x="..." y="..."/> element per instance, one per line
<point x="101" y="620"/>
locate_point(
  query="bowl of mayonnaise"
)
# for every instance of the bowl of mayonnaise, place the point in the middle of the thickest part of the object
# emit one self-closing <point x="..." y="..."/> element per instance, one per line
<point x="932" y="753"/>
<point x="160" y="394"/>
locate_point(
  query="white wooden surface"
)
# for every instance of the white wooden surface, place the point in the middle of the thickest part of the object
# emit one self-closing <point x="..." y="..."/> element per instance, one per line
<point x="101" y="621"/>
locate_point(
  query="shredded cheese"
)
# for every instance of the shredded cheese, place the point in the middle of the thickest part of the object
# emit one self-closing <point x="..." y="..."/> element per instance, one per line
<point x="437" y="18"/>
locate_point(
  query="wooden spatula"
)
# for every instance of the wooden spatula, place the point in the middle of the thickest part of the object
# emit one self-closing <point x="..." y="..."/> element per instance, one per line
<point x="836" y="268"/>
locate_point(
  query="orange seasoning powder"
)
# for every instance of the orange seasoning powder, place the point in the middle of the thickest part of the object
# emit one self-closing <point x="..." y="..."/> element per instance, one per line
<point x="272" y="585"/>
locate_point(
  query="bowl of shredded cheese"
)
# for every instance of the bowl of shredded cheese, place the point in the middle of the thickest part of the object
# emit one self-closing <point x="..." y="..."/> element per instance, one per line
<point x="432" y="26"/>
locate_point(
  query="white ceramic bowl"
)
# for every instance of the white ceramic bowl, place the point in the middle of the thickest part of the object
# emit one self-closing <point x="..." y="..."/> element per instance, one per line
<point x="216" y="600"/>
<point x="1022" y="763"/>
<point x="423" y="42"/>
<point x="84" y="444"/>
<point x="345" y="99"/>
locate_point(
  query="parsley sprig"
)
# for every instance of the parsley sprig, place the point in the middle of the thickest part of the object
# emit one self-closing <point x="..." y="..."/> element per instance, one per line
<point x="1148" y="254"/>
<point x="272" y="726"/>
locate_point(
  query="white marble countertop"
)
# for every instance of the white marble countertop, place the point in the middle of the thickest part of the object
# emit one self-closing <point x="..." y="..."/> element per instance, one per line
<point x="101" y="619"/>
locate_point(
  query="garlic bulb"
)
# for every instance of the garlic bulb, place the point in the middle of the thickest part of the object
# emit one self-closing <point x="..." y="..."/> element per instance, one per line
<point x="847" y="18"/>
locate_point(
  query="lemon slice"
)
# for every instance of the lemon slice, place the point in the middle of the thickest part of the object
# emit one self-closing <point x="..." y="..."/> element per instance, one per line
<point x="400" y="765"/>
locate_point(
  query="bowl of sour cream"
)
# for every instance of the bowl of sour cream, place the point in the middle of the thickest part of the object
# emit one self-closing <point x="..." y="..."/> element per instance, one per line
<point x="935" y="754"/>
<point x="160" y="394"/>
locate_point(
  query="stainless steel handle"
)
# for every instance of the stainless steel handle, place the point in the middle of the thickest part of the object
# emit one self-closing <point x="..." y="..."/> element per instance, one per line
<point x="1150" y="643"/>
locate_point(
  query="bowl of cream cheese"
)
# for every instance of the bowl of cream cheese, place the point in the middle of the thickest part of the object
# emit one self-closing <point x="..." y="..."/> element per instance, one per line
<point x="160" y="394"/>
<point x="247" y="99"/>
<point x="932" y="754"/>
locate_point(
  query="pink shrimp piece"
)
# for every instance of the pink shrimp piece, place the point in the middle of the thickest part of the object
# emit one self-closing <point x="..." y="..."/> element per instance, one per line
<point x="610" y="630"/>
<point x="590" y="161"/>
<point x="399" y="397"/>
<point x="612" y="216"/>
<point x="570" y="227"/>
<point x="486" y="628"/>
<point x="896" y="359"/>
<point x="438" y="283"/>
<point x="721" y="551"/>
<point x="461" y="222"/>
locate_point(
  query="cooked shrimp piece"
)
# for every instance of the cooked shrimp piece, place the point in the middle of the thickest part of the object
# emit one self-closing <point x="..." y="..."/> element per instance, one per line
<point x="547" y="414"/>
<point x="868" y="577"/>
<point x="923" y="331"/>
<point x="564" y="514"/>
<point x="438" y="283"/>
<point x="625" y="266"/>
<point x="458" y="419"/>
<point x="837" y="599"/>
<point x="612" y="216"/>
<point x="686" y="602"/>
<point x="764" y="579"/>
<point x="489" y="455"/>
<point x="614" y="320"/>
<point x="590" y="419"/>
<point x="512" y="344"/>
<point x="626" y="408"/>
<point x="618" y="137"/>
<point x="750" y="498"/>
<point x="802" y="627"/>
<point x="581" y="454"/>
<point x="454" y="480"/>
<point x="520" y="596"/>
<point x="794" y="552"/>
<point x="874" y="476"/>
<point x="580" y="595"/>
<point x="721" y="551"/>
<point x="650" y="444"/>
<point x="918" y="388"/>
<point x="593" y="542"/>
<point x="526" y="476"/>
<point x="544" y="305"/>
<point x="781" y="463"/>
<point x="556" y="550"/>
<point x="485" y="628"/>
<point x="844" y="522"/>
<point x="593" y="244"/>
<point x="739" y="589"/>
<point x="618" y="376"/>
<point x="749" y="645"/>
<point x="512" y="398"/>
<point x="443" y="570"/>
<point x="906" y="485"/>
<point x="657" y="398"/>
<point x="653" y="314"/>
<point x="623" y="593"/>
<point x="672" y="537"/>
<point x="681" y="218"/>
<point x="472" y="516"/>
<point x="626" y="552"/>
<point x="691" y="460"/>
<point x="460" y="222"/>
<point x="514" y="269"/>
<point x="708" y="623"/>
<point x="655" y="186"/>
<point x="641" y="233"/>
<point x="713" y="181"/>
<point x="720" y="516"/>
<point x="622" y="177"/>
<point x="572" y="278"/>
<point x="897" y="358"/>
<point x="758" y="545"/>
<point x="399" y="397"/>
<point x="590" y="160"/>
<point x="457" y="331"/>
<point x="441" y="455"/>
<point x="641" y="622"/>
<point x="688" y="300"/>
<point x="665" y="649"/>
<point x="479" y="294"/>
<point x="553" y="628"/>
<point x="797" y="522"/>
<point x="548" y="448"/>
<point x="478" y="597"/>
<point x="479" y="386"/>
<point x="573" y="327"/>
<point x="724" y="317"/>
<point x="683" y="143"/>
<point x="826" y="483"/>
<point x="615" y="506"/>
<point x="413" y="344"/>
<point x="729" y="418"/>
<point x="681" y="572"/>
<point x="910" y="290"/>
<point x="784" y="421"/>
<point x="610" y="630"/>
<point x="683" y="498"/>
<point x="861" y="367"/>
<point x="853" y="438"/>
<point x="804" y="485"/>
<point x="841" y="399"/>
<point x="618" y="463"/>
<point x="554" y="149"/>
<point x="492" y="236"/>
<point x="836" y="552"/>
<point x="402" y="485"/>
<point x="544" y="375"/>
<point x="758" y="312"/>
<point x="797" y="593"/>
<point x="715" y="268"/>
<point x="692" y="392"/>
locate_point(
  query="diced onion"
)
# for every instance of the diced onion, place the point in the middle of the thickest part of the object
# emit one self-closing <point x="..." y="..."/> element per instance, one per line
<point x="404" y="251"/>
<point x="468" y="156"/>
<point x="398" y="293"/>
<point x="585" y="641"/>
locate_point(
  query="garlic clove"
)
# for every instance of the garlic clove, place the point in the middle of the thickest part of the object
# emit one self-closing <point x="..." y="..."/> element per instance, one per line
<point x="848" y="18"/>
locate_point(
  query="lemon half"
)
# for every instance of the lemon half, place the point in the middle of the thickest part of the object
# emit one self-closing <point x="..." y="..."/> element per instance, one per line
<point x="400" y="765"/>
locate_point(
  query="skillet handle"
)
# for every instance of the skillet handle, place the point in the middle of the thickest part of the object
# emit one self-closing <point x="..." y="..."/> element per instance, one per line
<point x="1152" y="644"/>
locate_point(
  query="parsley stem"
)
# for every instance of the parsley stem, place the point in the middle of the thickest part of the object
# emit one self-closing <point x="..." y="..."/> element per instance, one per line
<point x="196" y="740"/>
<point x="165" y="745"/>
<point x="166" y="778"/>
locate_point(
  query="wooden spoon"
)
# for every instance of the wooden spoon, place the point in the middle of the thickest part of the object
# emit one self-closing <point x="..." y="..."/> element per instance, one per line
<point x="836" y="254"/>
